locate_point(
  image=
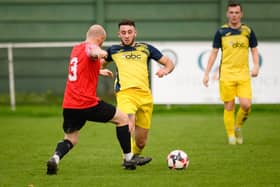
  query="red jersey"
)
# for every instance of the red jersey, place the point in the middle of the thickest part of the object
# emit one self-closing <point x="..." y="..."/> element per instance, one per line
<point x="81" y="85"/>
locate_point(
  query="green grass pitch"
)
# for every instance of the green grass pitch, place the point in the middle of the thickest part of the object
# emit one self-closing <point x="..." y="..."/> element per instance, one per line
<point x="29" y="136"/>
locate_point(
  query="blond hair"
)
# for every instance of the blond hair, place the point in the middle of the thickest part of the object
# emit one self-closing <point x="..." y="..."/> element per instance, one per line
<point x="96" y="31"/>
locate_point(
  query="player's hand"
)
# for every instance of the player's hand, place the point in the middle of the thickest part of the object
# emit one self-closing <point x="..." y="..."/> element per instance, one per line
<point x="161" y="72"/>
<point x="205" y="80"/>
<point x="255" y="71"/>
<point x="106" y="72"/>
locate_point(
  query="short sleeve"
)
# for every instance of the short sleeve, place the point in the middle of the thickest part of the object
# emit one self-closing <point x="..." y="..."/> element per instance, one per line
<point x="217" y="42"/>
<point x="109" y="57"/>
<point x="253" y="42"/>
<point x="155" y="54"/>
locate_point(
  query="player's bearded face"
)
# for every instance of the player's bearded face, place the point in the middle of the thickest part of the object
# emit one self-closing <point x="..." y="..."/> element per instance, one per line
<point x="127" y="34"/>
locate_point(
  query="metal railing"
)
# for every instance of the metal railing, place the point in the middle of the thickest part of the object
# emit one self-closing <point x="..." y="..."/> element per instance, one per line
<point x="11" y="46"/>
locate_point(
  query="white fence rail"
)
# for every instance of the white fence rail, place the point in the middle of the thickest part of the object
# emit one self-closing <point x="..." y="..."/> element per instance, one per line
<point x="11" y="46"/>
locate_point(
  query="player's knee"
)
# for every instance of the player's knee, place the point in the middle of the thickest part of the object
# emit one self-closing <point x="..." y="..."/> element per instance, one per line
<point x="121" y="118"/>
<point x="246" y="106"/>
<point x="229" y="105"/>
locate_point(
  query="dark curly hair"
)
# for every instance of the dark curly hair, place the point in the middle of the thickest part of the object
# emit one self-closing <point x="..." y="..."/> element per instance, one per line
<point x="127" y="22"/>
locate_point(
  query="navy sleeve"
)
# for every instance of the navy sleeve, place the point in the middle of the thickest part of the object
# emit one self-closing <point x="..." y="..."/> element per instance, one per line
<point x="217" y="42"/>
<point x="109" y="57"/>
<point x="253" y="42"/>
<point x="154" y="53"/>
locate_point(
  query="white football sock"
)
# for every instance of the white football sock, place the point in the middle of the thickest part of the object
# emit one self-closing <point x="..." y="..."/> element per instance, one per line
<point x="56" y="158"/>
<point x="128" y="156"/>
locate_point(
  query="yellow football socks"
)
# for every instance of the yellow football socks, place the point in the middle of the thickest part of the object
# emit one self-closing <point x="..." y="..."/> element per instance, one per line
<point x="241" y="117"/>
<point x="135" y="149"/>
<point x="229" y="122"/>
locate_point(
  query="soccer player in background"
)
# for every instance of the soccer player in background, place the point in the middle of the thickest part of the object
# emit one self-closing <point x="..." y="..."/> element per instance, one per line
<point x="81" y="103"/>
<point x="234" y="39"/>
<point x="132" y="87"/>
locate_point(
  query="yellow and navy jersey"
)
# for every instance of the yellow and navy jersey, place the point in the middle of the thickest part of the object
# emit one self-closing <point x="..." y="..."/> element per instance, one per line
<point x="235" y="44"/>
<point x="132" y="65"/>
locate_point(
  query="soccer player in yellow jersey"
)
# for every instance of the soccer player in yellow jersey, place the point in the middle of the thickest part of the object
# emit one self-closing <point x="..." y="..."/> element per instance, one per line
<point x="234" y="39"/>
<point x="132" y="87"/>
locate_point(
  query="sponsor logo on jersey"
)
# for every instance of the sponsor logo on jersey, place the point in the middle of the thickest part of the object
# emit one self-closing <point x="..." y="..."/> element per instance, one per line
<point x="132" y="56"/>
<point x="237" y="45"/>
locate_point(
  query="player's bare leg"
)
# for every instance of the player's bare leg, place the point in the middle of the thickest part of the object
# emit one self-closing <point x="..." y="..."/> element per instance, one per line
<point x="141" y="136"/>
<point x="138" y="141"/>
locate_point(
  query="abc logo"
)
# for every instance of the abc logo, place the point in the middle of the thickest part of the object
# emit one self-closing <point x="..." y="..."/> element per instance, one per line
<point x="237" y="44"/>
<point x="132" y="56"/>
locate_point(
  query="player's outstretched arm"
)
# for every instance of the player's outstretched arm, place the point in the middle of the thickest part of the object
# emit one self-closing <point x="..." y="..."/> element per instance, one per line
<point x="97" y="52"/>
<point x="211" y="60"/>
<point x="167" y="68"/>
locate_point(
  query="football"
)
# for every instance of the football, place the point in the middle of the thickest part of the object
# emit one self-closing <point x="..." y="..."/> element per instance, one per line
<point x="177" y="159"/>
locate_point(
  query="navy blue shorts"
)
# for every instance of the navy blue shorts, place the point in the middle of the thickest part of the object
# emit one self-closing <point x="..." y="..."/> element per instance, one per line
<point x="75" y="119"/>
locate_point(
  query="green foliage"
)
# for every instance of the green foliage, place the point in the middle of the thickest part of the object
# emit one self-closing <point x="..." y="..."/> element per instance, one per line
<point x="29" y="136"/>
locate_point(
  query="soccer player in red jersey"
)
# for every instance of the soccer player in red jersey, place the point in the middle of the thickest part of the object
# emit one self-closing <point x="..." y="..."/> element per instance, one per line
<point x="81" y="104"/>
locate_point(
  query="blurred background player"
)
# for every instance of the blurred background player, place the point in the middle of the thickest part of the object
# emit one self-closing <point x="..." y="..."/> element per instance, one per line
<point x="234" y="39"/>
<point x="132" y="87"/>
<point x="81" y="103"/>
